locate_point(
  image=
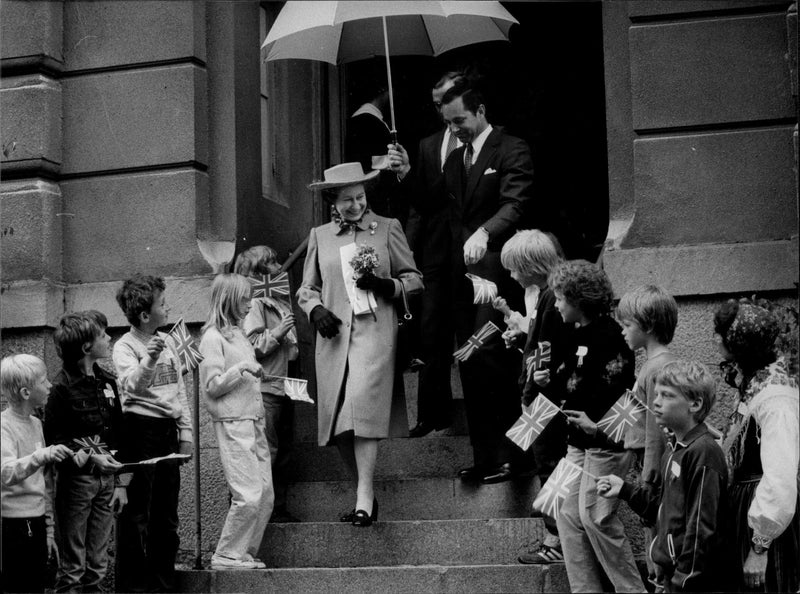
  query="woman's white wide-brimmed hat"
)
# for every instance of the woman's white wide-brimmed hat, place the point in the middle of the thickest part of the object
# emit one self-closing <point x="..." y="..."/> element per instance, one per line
<point x="345" y="174"/>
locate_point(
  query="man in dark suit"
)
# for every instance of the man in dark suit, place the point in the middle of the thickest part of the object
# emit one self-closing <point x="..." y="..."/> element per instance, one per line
<point x="487" y="183"/>
<point x="429" y="237"/>
<point x="367" y="136"/>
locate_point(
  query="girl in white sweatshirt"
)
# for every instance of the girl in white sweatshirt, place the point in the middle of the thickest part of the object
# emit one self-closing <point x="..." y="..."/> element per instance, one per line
<point x="229" y="379"/>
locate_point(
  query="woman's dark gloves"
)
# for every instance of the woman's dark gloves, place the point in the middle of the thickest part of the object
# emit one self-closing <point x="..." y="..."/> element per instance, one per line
<point x="325" y="322"/>
<point x="379" y="286"/>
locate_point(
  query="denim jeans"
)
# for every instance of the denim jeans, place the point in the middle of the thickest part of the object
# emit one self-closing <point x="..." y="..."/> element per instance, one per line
<point x="244" y="454"/>
<point x="85" y="518"/>
<point x="592" y="535"/>
<point x="147" y="533"/>
<point x="24" y="554"/>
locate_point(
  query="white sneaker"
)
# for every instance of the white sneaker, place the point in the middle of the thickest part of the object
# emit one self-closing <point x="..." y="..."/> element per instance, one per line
<point x="250" y="559"/>
<point x="220" y="562"/>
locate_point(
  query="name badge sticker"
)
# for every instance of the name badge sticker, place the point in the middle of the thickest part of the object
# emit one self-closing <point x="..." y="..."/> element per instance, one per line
<point x="109" y="392"/>
<point x="581" y="352"/>
<point x="742" y="409"/>
<point x="675" y="469"/>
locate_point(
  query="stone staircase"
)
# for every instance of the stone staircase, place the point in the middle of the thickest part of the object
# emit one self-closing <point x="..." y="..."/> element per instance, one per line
<point x="434" y="534"/>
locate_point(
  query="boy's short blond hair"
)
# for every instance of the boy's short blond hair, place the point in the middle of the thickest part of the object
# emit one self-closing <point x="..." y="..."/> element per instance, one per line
<point x="17" y="372"/>
<point x="693" y="380"/>
<point x="653" y="309"/>
<point x="254" y="260"/>
<point x="531" y="252"/>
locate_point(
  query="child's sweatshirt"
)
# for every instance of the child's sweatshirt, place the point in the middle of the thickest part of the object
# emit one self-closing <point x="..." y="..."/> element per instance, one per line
<point x="152" y="388"/>
<point x="273" y="354"/>
<point x="27" y="486"/>
<point x="596" y="372"/>
<point x="229" y="394"/>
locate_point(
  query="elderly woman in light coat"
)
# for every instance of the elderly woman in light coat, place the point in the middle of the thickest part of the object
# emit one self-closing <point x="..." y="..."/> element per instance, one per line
<point x="355" y="352"/>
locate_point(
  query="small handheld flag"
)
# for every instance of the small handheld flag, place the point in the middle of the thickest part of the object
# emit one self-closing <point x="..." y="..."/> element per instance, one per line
<point x="91" y="444"/>
<point x="185" y="345"/>
<point x="271" y="285"/>
<point x="532" y="422"/>
<point x="538" y="358"/>
<point x="623" y="414"/>
<point x="297" y="389"/>
<point x="557" y="488"/>
<point x="484" y="291"/>
<point x="476" y="341"/>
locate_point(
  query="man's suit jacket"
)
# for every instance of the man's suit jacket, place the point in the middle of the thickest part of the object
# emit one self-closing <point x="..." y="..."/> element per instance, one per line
<point x="495" y="196"/>
<point x="427" y="231"/>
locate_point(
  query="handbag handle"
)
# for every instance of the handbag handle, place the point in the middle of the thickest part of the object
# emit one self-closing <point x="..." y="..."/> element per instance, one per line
<point x="406" y="311"/>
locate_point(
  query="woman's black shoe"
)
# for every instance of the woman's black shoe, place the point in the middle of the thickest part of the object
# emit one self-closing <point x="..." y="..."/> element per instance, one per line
<point x="362" y="519"/>
<point x="348" y="517"/>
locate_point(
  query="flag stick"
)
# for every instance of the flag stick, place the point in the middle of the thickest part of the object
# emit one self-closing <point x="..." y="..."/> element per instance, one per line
<point x="198" y="559"/>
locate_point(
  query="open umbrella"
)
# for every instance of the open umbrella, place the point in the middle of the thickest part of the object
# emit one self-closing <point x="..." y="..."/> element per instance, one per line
<point x="340" y="32"/>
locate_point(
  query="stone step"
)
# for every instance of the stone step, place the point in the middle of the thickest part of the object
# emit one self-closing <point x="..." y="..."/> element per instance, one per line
<point x="426" y="542"/>
<point x="390" y="580"/>
<point x="416" y="499"/>
<point x="435" y="455"/>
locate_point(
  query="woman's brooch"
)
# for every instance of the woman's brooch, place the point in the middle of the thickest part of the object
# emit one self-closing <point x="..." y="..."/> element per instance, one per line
<point x="372" y="226"/>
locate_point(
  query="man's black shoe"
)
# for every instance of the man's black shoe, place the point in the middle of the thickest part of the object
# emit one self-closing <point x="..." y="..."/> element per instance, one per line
<point x="498" y="475"/>
<point x="473" y="474"/>
<point x="422" y="428"/>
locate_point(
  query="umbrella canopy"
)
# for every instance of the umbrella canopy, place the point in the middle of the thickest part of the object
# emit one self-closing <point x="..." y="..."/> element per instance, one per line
<point x="340" y="32"/>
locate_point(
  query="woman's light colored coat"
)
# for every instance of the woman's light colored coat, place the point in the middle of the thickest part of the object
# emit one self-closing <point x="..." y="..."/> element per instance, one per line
<point x="355" y="369"/>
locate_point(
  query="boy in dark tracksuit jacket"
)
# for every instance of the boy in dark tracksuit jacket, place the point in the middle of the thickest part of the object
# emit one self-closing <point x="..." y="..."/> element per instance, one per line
<point x="687" y="504"/>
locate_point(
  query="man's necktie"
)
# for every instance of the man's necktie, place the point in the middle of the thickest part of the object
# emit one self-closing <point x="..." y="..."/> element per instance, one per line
<point x="452" y="142"/>
<point x="468" y="158"/>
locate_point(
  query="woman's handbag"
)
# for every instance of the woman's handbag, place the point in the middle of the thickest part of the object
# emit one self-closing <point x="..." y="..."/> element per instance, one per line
<point x="405" y="334"/>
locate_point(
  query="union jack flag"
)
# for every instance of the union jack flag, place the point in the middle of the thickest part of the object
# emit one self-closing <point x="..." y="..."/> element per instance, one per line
<point x="538" y="358"/>
<point x="271" y="285"/>
<point x="91" y="444"/>
<point x="532" y="422"/>
<point x="623" y="414"/>
<point x="185" y="345"/>
<point x="297" y="389"/>
<point x="557" y="488"/>
<point x="476" y="341"/>
<point x="484" y="291"/>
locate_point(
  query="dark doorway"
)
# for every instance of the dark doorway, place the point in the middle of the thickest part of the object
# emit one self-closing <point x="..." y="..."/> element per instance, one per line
<point x="545" y="86"/>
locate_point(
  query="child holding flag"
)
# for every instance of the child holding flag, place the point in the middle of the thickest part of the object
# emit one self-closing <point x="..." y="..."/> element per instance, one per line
<point x="687" y="501"/>
<point x="229" y="380"/>
<point x="270" y="328"/>
<point x="597" y="370"/>
<point x="84" y="403"/>
<point x="156" y="423"/>
<point x="530" y="255"/>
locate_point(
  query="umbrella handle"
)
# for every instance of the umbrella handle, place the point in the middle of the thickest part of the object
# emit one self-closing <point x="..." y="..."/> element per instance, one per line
<point x="393" y="134"/>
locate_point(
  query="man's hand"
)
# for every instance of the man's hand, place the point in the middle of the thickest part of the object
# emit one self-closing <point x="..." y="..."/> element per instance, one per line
<point x="185" y="448"/>
<point x="398" y="160"/>
<point x="581" y="421"/>
<point x="609" y="486"/>
<point x="105" y="463"/>
<point x="475" y="247"/>
<point x="155" y="346"/>
<point x="119" y="499"/>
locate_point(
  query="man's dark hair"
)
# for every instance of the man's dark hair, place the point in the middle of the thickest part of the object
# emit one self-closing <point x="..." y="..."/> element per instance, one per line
<point x="137" y="294"/>
<point x="468" y="91"/>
